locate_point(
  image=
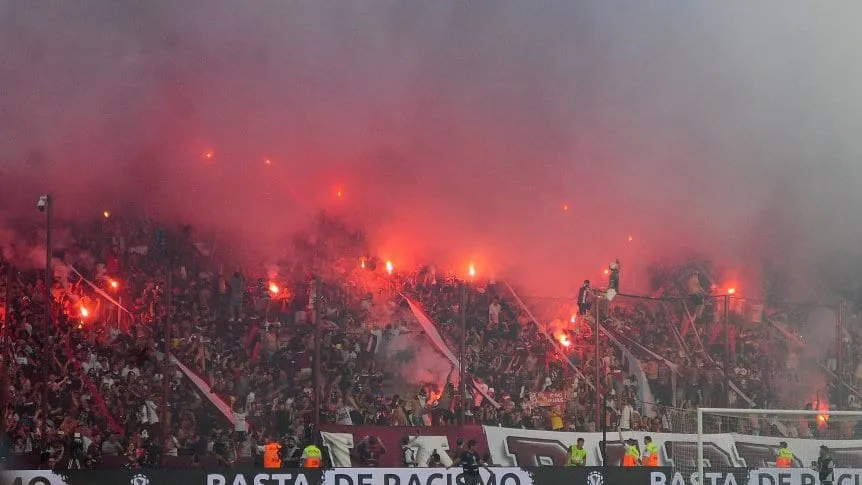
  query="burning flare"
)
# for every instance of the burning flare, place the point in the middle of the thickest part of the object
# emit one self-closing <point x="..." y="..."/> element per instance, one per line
<point x="389" y="267"/>
<point x="84" y="312"/>
<point x="472" y="271"/>
<point x="434" y="396"/>
<point x="823" y="418"/>
<point x="273" y="288"/>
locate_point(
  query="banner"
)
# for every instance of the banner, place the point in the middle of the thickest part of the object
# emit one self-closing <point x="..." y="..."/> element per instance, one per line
<point x="162" y="477"/>
<point x="341" y="441"/>
<point x="352" y="476"/>
<point x="521" y="447"/>
<point x="759" y="476"/>
<point x="548" y="399"/>
<point x="422" y="476"/>
<point x="206" y="391"/>
<point x="435" y="337"/>
<point x="635" y="368"/>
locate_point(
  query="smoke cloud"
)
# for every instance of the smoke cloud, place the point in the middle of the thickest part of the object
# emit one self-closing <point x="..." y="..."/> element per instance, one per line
<point x="456" y="130"/>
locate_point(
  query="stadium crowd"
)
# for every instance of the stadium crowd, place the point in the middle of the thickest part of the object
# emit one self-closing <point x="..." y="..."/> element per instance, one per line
<point x="244" y="349"/>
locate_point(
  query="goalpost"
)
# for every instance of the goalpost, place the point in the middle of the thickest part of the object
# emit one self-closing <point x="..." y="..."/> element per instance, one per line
<point x="760" y="431"/>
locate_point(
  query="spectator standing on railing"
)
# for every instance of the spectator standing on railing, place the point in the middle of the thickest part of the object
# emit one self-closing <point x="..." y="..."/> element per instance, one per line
<point x="584" y="295"/>
<point x="696" y="294"/>
<point x="614" y="276"/>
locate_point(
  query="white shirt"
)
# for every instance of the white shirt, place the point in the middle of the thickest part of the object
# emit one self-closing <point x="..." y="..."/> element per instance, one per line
<point x="342" y="416"/>
<point x="626" y="417"/>
<point x="148" y="414"/>
<point x="494" y="312"/>
<point x="241" y="425"/>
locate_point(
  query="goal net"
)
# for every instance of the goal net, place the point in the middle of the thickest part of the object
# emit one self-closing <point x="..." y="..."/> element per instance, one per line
<point x="769" y="446"/>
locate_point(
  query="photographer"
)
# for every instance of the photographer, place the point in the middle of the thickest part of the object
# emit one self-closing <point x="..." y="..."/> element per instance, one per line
<point x="56" y="451"/>
<point x="290" y="454"/>
<point x="435" y="461"/>
<point x="222" y="449"/>
<point x="369" y="450"/>
<point x="77" y="454"/>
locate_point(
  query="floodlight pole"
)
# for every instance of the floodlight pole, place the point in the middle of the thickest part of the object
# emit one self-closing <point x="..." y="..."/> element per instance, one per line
<point x="4" y="347"/>
<point x="46" y="344"/>
<point x="727" y="350"/>
<point x="598" y="361"/>
<point x="842" y="400"/>
<point x="318" y="368"/>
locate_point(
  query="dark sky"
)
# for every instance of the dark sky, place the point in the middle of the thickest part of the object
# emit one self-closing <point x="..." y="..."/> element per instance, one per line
<point x="456" y="130"/>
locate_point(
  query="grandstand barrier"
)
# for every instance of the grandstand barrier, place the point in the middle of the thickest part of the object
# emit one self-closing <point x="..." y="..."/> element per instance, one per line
<point x="342" y="476"/>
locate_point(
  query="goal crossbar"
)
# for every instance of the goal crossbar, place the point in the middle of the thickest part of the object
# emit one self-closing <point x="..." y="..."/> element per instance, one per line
<point x="776" y="412"/>
<point x="757" y="412"/>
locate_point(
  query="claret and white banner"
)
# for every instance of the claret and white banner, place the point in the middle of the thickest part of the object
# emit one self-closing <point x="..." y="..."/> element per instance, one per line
<point x="521" y="447"/>
<point x="761" y="476"/>
<point x="423" y="476"/>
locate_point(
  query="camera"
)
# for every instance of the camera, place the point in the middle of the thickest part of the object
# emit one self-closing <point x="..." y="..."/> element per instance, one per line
<point x="43" y="203"/>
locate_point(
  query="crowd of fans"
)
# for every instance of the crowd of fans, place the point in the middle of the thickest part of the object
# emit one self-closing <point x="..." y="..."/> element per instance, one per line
<point x="244" y="347"/>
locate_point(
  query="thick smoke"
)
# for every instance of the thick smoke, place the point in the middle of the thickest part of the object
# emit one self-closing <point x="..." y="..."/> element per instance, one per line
<point x="457" y="130"/>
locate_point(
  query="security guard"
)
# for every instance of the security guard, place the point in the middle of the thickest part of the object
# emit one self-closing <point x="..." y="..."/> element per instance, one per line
<point x="271" y="454"/>
<point x="633" y="455"/>
<point x="312" y="457"/>
<point x="785" y="456"/>
<point x="650" y="452"/>
<point x="577" y="454"/>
